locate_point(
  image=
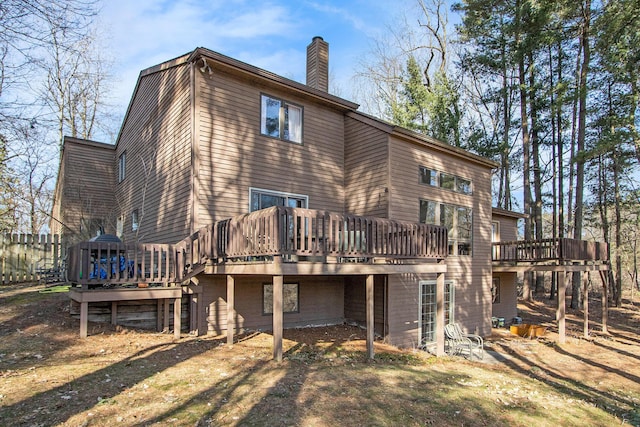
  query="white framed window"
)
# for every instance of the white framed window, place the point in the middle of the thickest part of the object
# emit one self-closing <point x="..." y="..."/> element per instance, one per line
<point x="122" y="166"/>
<point x="495" y="290"/>
<point x="262" y="199"/>
<point x="434" y="178"/>
<point x="281" y="119"/>
<point x="120" y="226"/>
<point x="457" y="219"/>
<point x="290" y="298"/>
<point x="495" y="231"/>
<point x="135" y="220"/>
<point x="428" y="304"/>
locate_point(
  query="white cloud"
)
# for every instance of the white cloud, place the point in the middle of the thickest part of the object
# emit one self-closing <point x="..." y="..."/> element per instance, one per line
<point x="145" y="33"/>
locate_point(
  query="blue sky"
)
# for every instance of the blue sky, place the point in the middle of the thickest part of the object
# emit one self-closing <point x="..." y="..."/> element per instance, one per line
<point x="269" y="34"/>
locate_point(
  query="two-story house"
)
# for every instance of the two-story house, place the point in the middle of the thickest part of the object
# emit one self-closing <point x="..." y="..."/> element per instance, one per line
<point x="263" y="203"/>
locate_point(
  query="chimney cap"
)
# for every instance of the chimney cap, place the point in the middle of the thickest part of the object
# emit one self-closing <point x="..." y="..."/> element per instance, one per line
<point x="317" y="38"/>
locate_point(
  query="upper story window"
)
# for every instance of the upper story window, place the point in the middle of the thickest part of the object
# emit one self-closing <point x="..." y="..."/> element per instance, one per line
<point x="122" y="166"/>
<point x="495" y="231"/>
<point x="457" y="219"/>
<point x="444" y="180"/>
<point x="262" y="199"/>
<point x="281" y="119"/>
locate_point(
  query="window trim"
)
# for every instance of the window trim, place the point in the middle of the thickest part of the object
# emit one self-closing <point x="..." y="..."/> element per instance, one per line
<point x="120" y="226"/>
<point x="267" y="303"/>
<point x="450" y="305"/>
<point x="453" y="238"/>
<point x="122" y="166"/>
<point x="495" y="290"/>
<point x="276" y="193"/>
<point x="437" y="179"/>
<point x="282" y="116"/>
<point x="495" y="231"/>
<point x="135" y="220"/>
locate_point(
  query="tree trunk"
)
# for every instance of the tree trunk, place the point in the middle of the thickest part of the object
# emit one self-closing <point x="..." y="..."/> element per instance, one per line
<point x="528" y="235"/>
<point x="582" y="117"/>
<point x="617" y="205"/>
<point x="537" y="174"/>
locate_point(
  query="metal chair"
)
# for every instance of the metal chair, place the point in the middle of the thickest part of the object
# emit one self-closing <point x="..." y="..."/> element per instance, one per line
<point x="460" y="344"/>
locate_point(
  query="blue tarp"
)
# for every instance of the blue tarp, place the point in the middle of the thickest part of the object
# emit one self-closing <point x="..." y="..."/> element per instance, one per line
<point x="100" y="269"/>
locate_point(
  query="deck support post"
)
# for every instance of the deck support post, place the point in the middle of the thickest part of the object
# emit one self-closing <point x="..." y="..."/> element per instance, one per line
<point x="585" y="292"/>
<point x="440" y="317"/>
<point x="159" y="312"/>
<point x="165" y="315"/>
<point x="605" y="300"/>
<point x="114" y="312"/>
<point x="370" y="315"/>
<point x="560" y="312"/>
<point x="177" y="314"/>
<point x="84" y="318"/>
<point x="278" y="285"/>
<point x="230" y="308"/>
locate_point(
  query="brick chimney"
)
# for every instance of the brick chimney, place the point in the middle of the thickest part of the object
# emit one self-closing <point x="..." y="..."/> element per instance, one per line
<point x="318" y="64"/>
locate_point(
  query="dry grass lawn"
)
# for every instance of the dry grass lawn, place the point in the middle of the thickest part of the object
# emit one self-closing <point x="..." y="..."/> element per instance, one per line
<point x="119" y="377"/>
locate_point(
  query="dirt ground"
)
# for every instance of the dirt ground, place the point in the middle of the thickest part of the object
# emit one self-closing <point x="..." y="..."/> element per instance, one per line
<point x="49" y="376"/>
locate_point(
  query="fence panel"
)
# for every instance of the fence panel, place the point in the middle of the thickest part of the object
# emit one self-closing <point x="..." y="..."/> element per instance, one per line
<point x="30" y="258"/>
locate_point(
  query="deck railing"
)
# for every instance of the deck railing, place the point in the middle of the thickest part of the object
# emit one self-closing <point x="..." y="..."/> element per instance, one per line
<point x="289" y="233"/>
<point x="549" y="250"/>
<point x="313" y="233"/>
<point x="107" y="262"/>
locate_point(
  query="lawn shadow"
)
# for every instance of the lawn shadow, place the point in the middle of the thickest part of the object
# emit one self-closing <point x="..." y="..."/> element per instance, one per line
<point x="80" y="394"/>
<point x="610" y="402"/>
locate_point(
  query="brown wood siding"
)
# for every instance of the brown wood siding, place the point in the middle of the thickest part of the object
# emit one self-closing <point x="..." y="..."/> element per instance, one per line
<point x="85" y="184"/>
<point x="234" y="156"/>
<point x="321" y="302"/>
<point x="508" y="227"/>
<point x="157" y="139"/>
<point x="508" y="305"/>
<point x="355" y="298"/>
<point x="404" y="309"/>
<point x="471" y="274"/>
<point x="366" y="169"/>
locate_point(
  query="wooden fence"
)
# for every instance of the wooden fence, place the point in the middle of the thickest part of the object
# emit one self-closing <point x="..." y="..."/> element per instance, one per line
<point x="31" y="258"/>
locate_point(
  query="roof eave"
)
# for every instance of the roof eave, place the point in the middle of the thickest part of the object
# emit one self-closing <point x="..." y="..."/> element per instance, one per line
<point x="243" y="67"/>
<point x="421" y="139"/>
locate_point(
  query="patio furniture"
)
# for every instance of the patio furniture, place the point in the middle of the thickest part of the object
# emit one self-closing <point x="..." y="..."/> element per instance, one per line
<point x="459" y="343"/>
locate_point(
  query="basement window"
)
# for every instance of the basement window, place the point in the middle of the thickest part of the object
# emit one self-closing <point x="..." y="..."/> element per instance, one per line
<point x="290" y="298"/>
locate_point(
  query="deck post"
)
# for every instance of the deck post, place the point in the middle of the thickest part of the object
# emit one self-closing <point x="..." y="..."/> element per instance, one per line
<point x="440" y="318"/>
<point x="165" y="318"/>
<point x="605" y="300"/>
<point x="159" y="308"/>
<point x="177" y="313"/>
<point x="560" y="312"/>
<point x="585" y="289"/>
<point x="84" y="317"/>
<point x="278" y="285"/>
<point x="230" y="308"/>
<point x="370" y="316"/>
<point x="114" y="312"/>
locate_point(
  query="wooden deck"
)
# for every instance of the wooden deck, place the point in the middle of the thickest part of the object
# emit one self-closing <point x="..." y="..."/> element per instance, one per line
<point x="274" y="236"/>
<point x="549" y="251"/>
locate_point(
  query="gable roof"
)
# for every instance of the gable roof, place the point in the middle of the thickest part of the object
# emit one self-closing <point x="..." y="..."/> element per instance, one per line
<point x="350" y="108"/>
<point x="421" y="139"/>
<point x="203" y="54"/>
